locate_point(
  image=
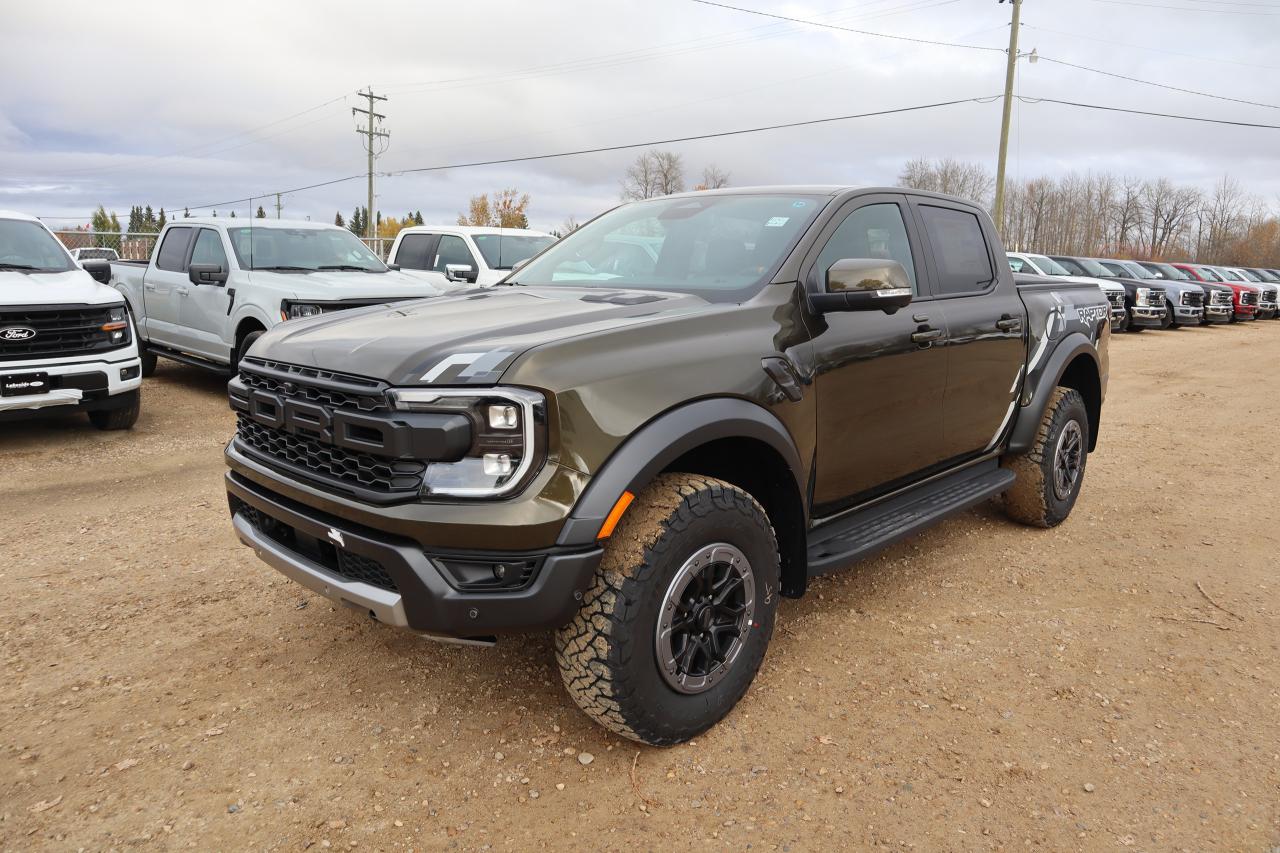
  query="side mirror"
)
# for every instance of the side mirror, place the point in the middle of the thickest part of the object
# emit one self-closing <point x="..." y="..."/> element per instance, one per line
<point x="100" y="271"/>
<point x="864" y="284"/>
<point x="393" y="267"/>
<point x="518" y="264"/>
<point x="207" y="274"/>
<point x="461" y="273"/>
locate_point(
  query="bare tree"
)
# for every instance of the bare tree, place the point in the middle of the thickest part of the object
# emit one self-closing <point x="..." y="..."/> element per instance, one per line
<point x="713" y="178"/>
<point x="653" y="173"/>
<point x="952" y="177"/>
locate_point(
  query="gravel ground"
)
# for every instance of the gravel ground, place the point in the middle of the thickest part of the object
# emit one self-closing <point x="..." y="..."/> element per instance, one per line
<point x="1111" y="683"/>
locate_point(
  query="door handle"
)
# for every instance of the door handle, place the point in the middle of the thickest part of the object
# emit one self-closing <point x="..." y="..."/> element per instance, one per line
<point x="926" y="336"/>
<point x="150" y="287"/>
<point x="182" y="291"/>
<point x="1009" y="324"/>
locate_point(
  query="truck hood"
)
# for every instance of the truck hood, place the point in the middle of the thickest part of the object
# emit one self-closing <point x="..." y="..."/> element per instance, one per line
<point x="469" y="338"/>
<point x="334" y="284"/>
<point x="72" y="287"/>
<point x="1168" y="285"/>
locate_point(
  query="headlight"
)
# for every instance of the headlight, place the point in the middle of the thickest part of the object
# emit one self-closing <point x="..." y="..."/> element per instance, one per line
<point x="117" y="325"/>
<point x="1144" y="296"/>
<point x="297" y="310"/>
<point x="508" y="430"/>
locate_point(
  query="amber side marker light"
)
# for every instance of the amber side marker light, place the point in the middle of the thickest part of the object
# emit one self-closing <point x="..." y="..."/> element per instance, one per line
<point x="615" y="515"/>
<point x="114" y="327"/>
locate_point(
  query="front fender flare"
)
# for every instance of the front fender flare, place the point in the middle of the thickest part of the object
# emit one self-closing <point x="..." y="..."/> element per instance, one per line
<point x="665" y="439"/>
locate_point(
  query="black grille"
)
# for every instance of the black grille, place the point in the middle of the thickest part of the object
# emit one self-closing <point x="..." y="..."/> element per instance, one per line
<point x="1156" y="299"/>
<point x="1248" y="297"/>
<point x="373" y="401"/>
<point x="340" y="561"/>
<point x="1192" y="298"/>
<point x="1269" y="294"/>
<point x="1220" y="297"/>
<point x="58" y="332"/>
<point x="358" y="469"/>
<point x="1116" y="299"/>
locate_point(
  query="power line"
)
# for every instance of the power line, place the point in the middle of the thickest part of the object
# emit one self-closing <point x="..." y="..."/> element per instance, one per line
<point x="847" y="29"/>
<point x="1181" y="8"/>
<point x="694" y="138"/>
<point x="1044" y="58"/>
<point x="1150" y="49"/>
<point x="1203" y="119"/>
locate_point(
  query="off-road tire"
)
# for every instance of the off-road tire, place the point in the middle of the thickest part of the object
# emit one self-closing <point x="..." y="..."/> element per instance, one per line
<point x="607" y="654"/>
<point x="149" y="361"/>
<point x="122" y="418"/>
<point x="1032" y="499"/>
<point x="243" y="348"/>
<point x="1169" y="321"/>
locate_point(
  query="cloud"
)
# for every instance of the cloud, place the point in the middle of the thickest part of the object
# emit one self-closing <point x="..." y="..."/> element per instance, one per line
<point x="177" y="104"/>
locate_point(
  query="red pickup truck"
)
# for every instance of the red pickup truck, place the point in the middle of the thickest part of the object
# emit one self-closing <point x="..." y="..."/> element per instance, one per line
<point x="1245" y="300"/>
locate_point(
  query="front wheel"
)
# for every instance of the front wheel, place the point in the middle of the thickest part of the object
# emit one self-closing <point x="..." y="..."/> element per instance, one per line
<point x="675" y="624"/>
<point x="123" y="417"/>
<point x="149" y="360"/>
<point x="1168" y="321"/>
<point x="1049" y="475"/>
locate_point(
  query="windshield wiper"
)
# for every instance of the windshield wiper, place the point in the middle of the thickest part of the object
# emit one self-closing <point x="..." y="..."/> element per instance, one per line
<point x="283" y="268"/>
<point x="346" y="268"/>
<point x="16" y="267"/>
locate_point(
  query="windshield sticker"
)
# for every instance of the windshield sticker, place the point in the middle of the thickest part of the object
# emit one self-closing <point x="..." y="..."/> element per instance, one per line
<point x="799" y="203"/>
<point x="777" y="221"/>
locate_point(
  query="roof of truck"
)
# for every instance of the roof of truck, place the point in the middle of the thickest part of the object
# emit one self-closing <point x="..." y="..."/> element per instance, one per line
<point x="13" y="214"/>
<point x="473" y="230"/>
<point x="252" y="222"/>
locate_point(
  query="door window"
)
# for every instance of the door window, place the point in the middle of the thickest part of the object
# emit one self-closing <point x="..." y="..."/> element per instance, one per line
<point x="959" y="250"/>
<point x="453" y="250"/>
<point x="874" y="231"/>
<point x="173" y="251"/>
<point x="414" y="252"/>
<point x="209" y="249"/>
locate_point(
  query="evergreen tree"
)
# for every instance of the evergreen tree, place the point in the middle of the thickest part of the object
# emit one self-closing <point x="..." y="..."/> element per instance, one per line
<point x="417" y="218"/>
<point x="135" y="219"/>
<point x="161" y="221"/>
<point x="215" y="214"/>
<point x="233" y="214"/>
<point x="149" y="220"/>
<point x="261" y="214"/>
<point x="186" y="214"/>
<point x="338" y="220"/>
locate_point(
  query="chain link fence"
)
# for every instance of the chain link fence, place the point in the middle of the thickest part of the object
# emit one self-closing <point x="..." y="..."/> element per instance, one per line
<point x="138" y="246"/>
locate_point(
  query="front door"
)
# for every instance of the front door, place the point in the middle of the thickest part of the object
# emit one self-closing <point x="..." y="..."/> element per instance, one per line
<point x="879" y="377"/>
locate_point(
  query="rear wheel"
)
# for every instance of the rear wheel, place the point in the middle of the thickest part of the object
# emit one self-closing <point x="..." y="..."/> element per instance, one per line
<point x="1050" y="474"/>
<point x="675" y="624"/>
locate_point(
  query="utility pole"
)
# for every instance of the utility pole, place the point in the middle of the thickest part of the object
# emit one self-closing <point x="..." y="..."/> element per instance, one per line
<point x="1008" y="111"/>
<point x="278" y="205"/>
<point x="374" y="147"/>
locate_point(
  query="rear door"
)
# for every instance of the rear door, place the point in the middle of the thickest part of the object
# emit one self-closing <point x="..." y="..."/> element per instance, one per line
<point x="164" y="284"/>
<point x="877" y="389"/>
<point x="985" y="321"/>
<point x="203" y="311"/>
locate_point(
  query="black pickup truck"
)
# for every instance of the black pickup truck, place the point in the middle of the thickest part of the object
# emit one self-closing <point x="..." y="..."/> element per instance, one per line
<point x="658" y="426"/>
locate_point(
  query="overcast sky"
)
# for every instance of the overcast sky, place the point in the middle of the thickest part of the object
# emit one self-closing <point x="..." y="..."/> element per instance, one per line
<point x="175" y="104"/>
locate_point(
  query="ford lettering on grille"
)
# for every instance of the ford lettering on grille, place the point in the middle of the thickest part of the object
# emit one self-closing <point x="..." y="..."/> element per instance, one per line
<point x="17" y="333"/>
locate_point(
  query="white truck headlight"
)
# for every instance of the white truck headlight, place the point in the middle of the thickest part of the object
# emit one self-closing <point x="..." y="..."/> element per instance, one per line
<point x="508" y="429"/>
<point x="117" y="325"/>
<point x="296" y="310"/>
<point x="1143" y="297"/>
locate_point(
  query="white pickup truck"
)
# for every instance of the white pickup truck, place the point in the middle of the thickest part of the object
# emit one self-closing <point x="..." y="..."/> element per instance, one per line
<point x="444" y="254"/>
<point x="66" y="341"/>
<point x="212" y="286"/>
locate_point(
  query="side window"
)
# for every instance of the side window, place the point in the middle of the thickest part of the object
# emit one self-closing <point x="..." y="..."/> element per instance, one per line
<point x="173" y="251"/>
<point x="874" y="231"/>
<point x="209" y="249"/>
<point x="453" y="250"/>
<point x="414" y="251"/>
<point x="959" y="250"/>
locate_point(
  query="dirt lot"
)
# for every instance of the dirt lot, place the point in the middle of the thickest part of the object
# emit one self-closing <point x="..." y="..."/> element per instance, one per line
<point x="1112" y="683"/>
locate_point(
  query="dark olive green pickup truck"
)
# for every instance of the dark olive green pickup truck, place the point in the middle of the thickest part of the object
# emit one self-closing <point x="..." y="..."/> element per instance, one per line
<point x="658" y="426"/>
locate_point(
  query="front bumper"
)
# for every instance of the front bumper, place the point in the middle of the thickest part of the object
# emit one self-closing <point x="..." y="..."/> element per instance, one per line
<point x="1217" y="313"/>
<point x="1147" y="317"/>
<point x="86" y="385"/>
<point x="1266" y="311"/>
<point x="314" y="548"/>
<point x="1187" y="315"/>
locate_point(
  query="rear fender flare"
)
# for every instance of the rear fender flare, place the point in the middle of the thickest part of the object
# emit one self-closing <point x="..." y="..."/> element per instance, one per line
<point x="1031" y="413"/>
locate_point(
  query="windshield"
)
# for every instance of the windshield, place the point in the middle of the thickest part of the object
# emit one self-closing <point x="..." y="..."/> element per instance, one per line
<point x="1095" y="269"/>
<point x="1227" y="275"/>
<point x="722" y="247"/>
<point x="302" y="250"/>
<point x="1136" y="270"/>
<point x="1207" y="274"/>
<point x="502" y="252"/>
<point x="28" y="246"/>
<point x="1049" y="265"/>
<point x="1250" y="276"/>
<point x="1166" y="270"/>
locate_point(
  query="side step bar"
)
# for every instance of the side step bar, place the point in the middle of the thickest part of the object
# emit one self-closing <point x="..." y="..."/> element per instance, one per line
<point x="193" y="360"/>
<point x="842" y="542"/>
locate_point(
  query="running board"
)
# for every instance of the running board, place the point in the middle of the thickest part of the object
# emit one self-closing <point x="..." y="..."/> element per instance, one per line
<point x="842" y="542"/>
<point x="193" y="360"/>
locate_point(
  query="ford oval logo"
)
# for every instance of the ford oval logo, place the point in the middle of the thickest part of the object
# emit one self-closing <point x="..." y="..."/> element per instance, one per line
<point x="17" y="333"/>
